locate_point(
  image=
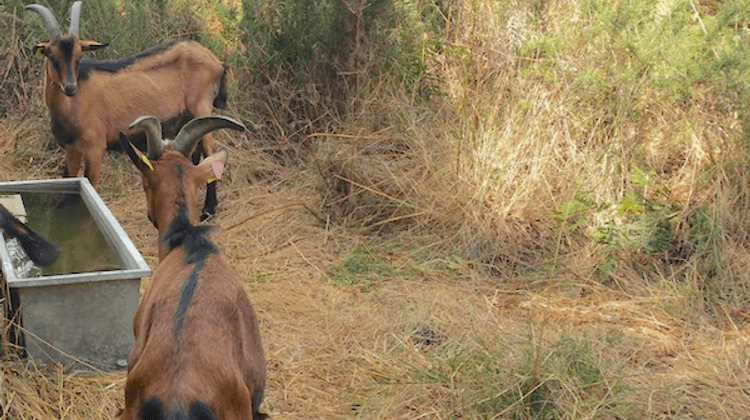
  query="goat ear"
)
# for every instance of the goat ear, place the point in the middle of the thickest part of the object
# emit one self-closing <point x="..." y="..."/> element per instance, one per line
<point x="91" y="45"/>
<point x="210" y="169"/>
<point x="42" y="46"/>
<point x="139" y="159"/>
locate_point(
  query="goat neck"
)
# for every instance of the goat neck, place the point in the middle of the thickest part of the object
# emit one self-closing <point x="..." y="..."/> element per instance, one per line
<point x="171" y="189"/>
<point x="171" y="184"/>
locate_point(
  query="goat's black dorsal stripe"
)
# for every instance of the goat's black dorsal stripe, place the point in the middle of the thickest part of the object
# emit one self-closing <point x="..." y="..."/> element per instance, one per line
<point x="113" y="66"/>
<point x="193" y="238"/>
<point x="188" y="290"/>
<point x="198" y="248"/>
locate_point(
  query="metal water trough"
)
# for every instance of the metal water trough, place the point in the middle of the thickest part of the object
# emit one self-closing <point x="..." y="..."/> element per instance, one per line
<point x="82" y="319"/>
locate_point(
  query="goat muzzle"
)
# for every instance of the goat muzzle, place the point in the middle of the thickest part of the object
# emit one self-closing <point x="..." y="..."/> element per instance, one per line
<point x="69" y="90"/>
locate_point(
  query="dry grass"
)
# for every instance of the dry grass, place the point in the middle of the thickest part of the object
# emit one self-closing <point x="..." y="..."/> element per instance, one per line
<point x="403" y="260"/>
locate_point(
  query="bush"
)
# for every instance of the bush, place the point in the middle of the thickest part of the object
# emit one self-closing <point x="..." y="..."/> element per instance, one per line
<point x="294" y="32"/>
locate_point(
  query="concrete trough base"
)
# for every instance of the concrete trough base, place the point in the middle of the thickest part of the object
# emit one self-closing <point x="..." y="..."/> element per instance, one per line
<point x="84" y="319"/>
<point x="68" y="324"/>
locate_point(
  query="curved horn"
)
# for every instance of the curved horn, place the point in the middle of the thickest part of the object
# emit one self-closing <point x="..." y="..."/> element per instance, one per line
<point x="192" y="132"/>
<point x="50" y="22"/>
<point x="75" y="18"/>
<point x="152" y="127"/>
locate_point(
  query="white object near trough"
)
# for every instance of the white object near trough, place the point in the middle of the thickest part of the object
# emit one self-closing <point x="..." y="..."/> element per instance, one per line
<point x="78" y="311"/>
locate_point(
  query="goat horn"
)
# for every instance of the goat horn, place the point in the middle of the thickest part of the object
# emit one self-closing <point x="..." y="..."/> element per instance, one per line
<point x="50" y="22"/>
<point x="75" y="18"/>
<point x="192" y="132"/>
<point x="152" y="127"/>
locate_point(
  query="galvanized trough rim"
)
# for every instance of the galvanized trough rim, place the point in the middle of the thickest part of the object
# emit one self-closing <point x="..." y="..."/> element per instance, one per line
<point x="135" y="265"/>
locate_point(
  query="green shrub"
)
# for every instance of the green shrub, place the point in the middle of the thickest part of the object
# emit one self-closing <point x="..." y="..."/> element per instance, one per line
<point x="294" y="32"/>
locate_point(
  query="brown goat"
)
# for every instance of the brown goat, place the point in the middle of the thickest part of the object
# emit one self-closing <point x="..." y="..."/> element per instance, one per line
<point x="90" y="102"/>
<point x="197" y="352"/>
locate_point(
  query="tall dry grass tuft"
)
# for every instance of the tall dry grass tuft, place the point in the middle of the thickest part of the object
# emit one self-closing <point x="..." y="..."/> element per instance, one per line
<point x="482" y="164"/>
<point x="372" y="178"/>
<point x="537" y="148"/>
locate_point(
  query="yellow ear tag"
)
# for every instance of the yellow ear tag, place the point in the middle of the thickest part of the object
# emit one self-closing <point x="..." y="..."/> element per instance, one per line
<point x="38" y="50"/>
<point x="147" y="162"/>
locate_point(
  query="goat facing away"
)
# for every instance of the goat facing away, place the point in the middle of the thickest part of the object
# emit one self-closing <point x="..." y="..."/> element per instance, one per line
<point x="90" y="102"/>
<point x="197" y="353"/>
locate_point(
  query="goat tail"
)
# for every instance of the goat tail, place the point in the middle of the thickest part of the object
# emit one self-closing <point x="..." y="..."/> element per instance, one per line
<point x="220" y="101"/>
<point x="40" y="250"/>
<point x="154" y="409"/>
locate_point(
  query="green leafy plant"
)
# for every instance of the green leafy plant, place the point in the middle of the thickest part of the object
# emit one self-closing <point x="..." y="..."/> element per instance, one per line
<point x="642" y="222"/>
<point x="361" y="268"/>
<point x="295" y="31"/>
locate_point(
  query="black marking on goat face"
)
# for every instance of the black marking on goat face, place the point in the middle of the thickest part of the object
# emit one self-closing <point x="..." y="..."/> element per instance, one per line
<point x="66" y="48"/>
<point x="55" y="64"/>
<point x="69" y="80"/>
